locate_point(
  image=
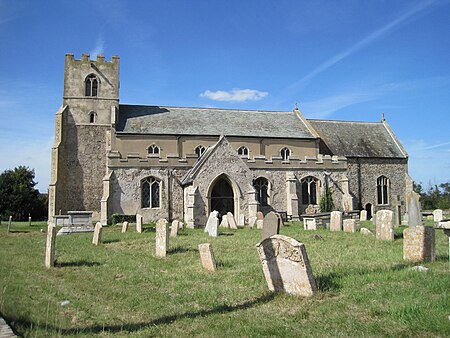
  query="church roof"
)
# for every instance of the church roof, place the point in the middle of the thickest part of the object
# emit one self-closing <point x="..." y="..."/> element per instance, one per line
<point x="210" y="121"/>
<point x="358" y="139"/>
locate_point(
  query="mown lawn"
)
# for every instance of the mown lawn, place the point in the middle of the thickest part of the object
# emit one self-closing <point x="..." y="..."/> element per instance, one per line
<point x="120" y="289"/>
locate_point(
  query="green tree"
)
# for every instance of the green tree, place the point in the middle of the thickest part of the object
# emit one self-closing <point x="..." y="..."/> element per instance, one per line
<point x="18" y="196"/>
<point x="326" y="201"/>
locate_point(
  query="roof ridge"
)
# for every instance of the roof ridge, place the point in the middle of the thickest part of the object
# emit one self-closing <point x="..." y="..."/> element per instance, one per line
<point x="344" y="121"/>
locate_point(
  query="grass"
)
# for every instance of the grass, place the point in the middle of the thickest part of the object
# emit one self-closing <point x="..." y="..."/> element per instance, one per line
<point x="120" y="289"/>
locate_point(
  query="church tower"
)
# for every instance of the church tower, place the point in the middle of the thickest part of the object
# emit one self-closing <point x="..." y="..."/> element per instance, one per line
<point x="82" y="134"/>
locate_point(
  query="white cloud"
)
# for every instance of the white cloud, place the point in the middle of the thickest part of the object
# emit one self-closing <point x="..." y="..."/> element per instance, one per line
<point x="235" y="95"/>
<point x="99" y="47"/>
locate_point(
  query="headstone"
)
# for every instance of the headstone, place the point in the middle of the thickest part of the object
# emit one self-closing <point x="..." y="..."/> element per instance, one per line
<point x="384" y="228"/>
<point x="363" y="215"/>
<point x="29" y="220"/>
<point x="336" y="221"/>
<point x="207" y="257"/>
<point x="251" y="222"/>
<point x="419" y="244"/>
<point x="259" y="215"/>
<point x="231" y="220"/>
<point x="162" y="237"/>
<point x="310" y="210"/>
<point x="241" y="222"/>
<point x="286" y="266"/>
<point x="437" y="215"/>
<point x="224" y="222"/>
<point x="139" y="223"/>
<point x="271" y="225"/>
<point x="124" y="226"/>
<point x="9" y="223"/>
<point x="430" y="217"/>
<point x="366" y="232"/>
<point x="97" y="238"/>
<point x="414" y="213"/>
<point x="349" y="225"/>
<point x="180" y="225"/>
<point x="174" y="228"/>
<point x="213" y="224"/>
<point x="50" y="246"/>
<point x="259" y="223"/>
<point x="309" y="223"/>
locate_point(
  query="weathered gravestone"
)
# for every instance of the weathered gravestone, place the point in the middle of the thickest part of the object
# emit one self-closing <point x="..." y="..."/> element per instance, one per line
<point x="174" y="228"/>
<point x="286" y="266"/>
<point x="50" y="246"/>
<point x="231" y="220"/>
<point x="207" y="257"/>
<point x="366" y="232"/>
<point x="384" y="227"/>
<point x="97" y="238"/>
<point x="349" y="225"/>
<point x="29" y="220"/>
<point x="259" y="223"/>
<point x="271" y="225"/>
<point x="224" y="223"/>
<point x="139" y="223"/>
<point x="336" y="221"/>
<point x="363" y="215"/>
<point x="241" y="222"/>
<point x="162" y="237"/>
<point x="259" y="215"/>
<point x="310" y="210"/>
<point x="251" y="222"/>
<point x="437" y="215"/>
<point x="212" y="224"/>
<point x="124" y="227"/>
<point x="9" y="223"/>
<point x="414" y="213"/>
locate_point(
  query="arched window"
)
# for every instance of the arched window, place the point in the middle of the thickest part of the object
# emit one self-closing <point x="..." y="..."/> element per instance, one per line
<point x="285" y="154"/>
<point x="92" y="117"/>
<point x="309" y="190"/>
<point x="153" y="150"/>
<point x="383" y="190"/>
<point x="261" y="185"/>
<point x="199" y="150"/>
<point x="91" y="83"/>
<point x="150" y="193"/>
<point x="243" y="151"/>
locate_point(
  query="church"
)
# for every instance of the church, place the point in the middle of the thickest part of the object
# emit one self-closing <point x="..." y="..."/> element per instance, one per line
<point x="183" y="162"/>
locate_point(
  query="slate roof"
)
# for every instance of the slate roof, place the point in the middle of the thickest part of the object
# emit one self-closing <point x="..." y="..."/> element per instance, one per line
<point x="210" y="121"/>
<point x="358" y="139"/>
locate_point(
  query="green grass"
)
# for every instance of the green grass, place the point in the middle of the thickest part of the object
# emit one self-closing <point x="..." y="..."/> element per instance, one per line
<point x="120" y="289"/>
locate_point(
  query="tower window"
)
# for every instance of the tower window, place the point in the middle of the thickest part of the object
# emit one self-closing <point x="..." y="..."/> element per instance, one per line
<point x="309" y="190"/>
<point x="199" y="150"/>
<point x="92" y="117"/>
<point x="383" y="190"/>
<point x="243" y="151"/>
<point x="91" y="83"/>
<point x="153" y="150"/>
<point x="150" y="193"/>
<point x="285" y="154"/>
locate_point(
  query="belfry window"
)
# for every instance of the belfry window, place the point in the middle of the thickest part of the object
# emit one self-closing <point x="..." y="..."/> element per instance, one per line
<point x="261" y="186"/>
<point x="285" y="154"/>
<point x="150" y="193"/>
<point x="199" y="150"/>
<point x="91" y="84"/>
<point x="309" y="190"/>
<point x="243" y="151"/>
<point x="383" y="190"/>
<point x="153" y="150"/>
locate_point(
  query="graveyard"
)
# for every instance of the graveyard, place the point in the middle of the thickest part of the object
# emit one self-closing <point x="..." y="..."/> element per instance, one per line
<point x="122" y="287"/>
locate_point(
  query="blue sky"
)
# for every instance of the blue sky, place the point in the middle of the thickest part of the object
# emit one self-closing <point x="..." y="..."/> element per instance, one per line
<point x="339" y="60"/>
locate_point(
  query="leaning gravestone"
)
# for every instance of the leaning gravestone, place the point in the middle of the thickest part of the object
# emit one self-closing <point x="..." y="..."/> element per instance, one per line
<point x="414" y="213"/>
<point x="124" y="227"/>
<point x="437" y="215"/>
<point x="251" y="222"/>
<point x="97" y="238"/>
<point x="231" y="220"/>
<point x="349" y="225"/>
<point x="207" y="257"/>
<point x="363" y="215"/>
<point x="174" y="228"/>
<point x="336" y="221"/>
<point x="212" y="224"/>
<point x="162" y="237"/>
<point x="384" y="227"/>
<point x="224" y="223"/>
<point x="138" y="223"/>
<point x="286" y="266"/>
<point x="50" y="246"/>
<point x="271" y="225"/>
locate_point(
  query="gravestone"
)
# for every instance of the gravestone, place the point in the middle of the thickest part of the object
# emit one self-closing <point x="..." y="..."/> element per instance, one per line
<point x="124" y="226"/>
<point x="414" y="213"/>
<point x="212" y="224"/>
<point x="271" y="225"/>
<point x="224" y="223"/>
<point x="180" y="225"/>
<point x="207" y="257"/>
<point x="162" y="237"/>
<point x="259" y="223"/>
<point x="259" y="215"/>
<point x="349" y="225"/>
<point x="366" y="232"/>
<point x="286" y="266"/>
<point x="310" y="210"/>
<point x="50" y="246"/>
<point x="174" y="228"/>
<point x="138" y="223"/>
<point x="97" y="238"/>
<point x="363" y="215"/>
<point x="241" y="222"/>
<point x="336" y="221"/>
<point x="419" y="244"/>
<point x="251" y="222"/>
<point x="231" y="220"/>
<point x="437" y="215"/>
<point x="29" y="220"/>
<point x="9" y="223"/>
<point x="384" y="227"/>
<point x="309" y="223"/>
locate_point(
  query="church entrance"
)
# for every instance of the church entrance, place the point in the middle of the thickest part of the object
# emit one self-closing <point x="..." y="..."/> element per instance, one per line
<point x="222" y="198"/>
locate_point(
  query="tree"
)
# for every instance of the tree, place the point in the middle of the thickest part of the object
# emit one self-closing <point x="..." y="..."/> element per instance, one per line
<point x="436" y="197"/>
<point x="18" y="196"/>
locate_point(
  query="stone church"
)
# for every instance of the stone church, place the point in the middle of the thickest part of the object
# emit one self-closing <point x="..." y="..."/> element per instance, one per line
<point x="182" y="163"/>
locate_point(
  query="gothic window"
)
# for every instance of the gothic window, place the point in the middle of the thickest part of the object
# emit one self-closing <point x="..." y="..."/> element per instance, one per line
<point x="150" y="192"/>
<point x="92" y="117"/>
<point x="261" y="186"/>
<point x="309" y="190"/>
<point x="285" y="154"/>
<point x="91" y="83"/>
<point x="243" y="151"/>
<point x="199" y="150"/>
<point x="153" y="150"/>
<point x="382" y="190"/>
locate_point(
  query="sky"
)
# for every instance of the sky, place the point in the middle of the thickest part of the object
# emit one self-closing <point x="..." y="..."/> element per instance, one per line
<point x="338" y="60"/>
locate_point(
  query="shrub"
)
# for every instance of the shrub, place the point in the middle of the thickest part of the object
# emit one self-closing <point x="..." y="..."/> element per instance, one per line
<point x="120" y="218"/>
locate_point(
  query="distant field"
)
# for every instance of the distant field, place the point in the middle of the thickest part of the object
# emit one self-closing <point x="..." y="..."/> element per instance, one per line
<point x="120" y="289"/>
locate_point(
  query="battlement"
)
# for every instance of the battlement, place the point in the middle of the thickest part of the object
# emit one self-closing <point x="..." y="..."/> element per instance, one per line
<point x="86" y="58"/>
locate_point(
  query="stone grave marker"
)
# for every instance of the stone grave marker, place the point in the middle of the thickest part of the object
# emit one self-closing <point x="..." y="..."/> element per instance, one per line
<point x="310" y="210"/>
<point x="271" y="225"/>
<point x="97" y="238"/>
<point x="9" y="223"/>
<point x="349" y="225"/>
<point x="336" y="221"/>
<point x="309" y="223"/>
<point x="212" y="225"/>
<point x="207" y="257"/>
<point x="363" y="215"/>
<point x="437" y="215"/>
<point x="384" y="227"/>
<point x="224" y="223"/>
<point x="162" y="237"/>
<point x="124" y="226"/>
<point x="259" y="223"/>
<point x="231" y="220"/>
<point x="29" y="220"/>
<point x="251" y="222"/>
<point x="286" y="266"/>
<point x="50" y="246"/>
<point x="419" y="244"/>
<point x="139" y="223"/>
<point x="414" y="213"/>
<point x="241" y="222"/>
<point x="366" y="232"/>
<point x="174" y="228"/>
<point x="259" y="215"/>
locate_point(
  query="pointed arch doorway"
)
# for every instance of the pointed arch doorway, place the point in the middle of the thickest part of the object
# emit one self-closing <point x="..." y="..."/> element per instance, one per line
<point x="222" y="197"/>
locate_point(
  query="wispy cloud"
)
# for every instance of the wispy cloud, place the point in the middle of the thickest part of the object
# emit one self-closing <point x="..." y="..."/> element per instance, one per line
<point x="235" y="95"/>
<point x="99" y="47"/>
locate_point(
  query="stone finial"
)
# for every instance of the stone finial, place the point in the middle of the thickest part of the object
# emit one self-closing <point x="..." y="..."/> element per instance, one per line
<point x="382" y="117"/>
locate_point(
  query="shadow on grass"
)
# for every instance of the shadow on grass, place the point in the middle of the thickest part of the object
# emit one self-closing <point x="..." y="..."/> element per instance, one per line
<point x="222" y="264"/>
<point x="111" y="241"/>
<point x="226" y="234"/>
<point x="221" y="309"/>
<point x="442" y="258"/>
<point x="77" y="263"/>
<point x="179" y="249"/>
<point x="328" y="282"/>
